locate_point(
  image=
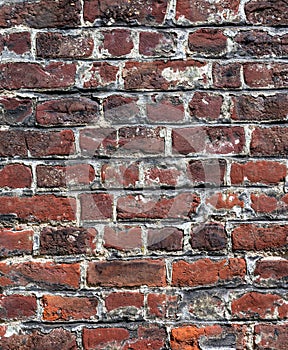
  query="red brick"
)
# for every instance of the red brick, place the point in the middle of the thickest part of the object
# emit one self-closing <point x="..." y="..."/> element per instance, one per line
<point x="15" y="111"/>
<point x="41" y="14"/>
<point x="119" y="109"/>
<point x="64" y="176"/>
<point x="123" y="300"/>
<point x="266" y="172"/>
<point x="99" y="75"/>
<point x="162" y="305"/>
<point x="271" y="336"/>
<point x="271" y="271"/>
<point x="207" y="171"/>
<point x="15" y="242"/>
<point x="67" y="241"/>
<point x="15" y="176"/>
<point x="214" y="140"/>
<point x="13" y="143"/>
<point x="264" y="75"/>
<point x="132" y="273"/>
<point x="224" y="201"/>
<point x="57" y="45"/>
<point x="17" y="307"/>
<point x="20" y="42"/>
<point x="267" y="12"/>
<point x="262" y="203"/>
<point x="260" y="108"/>
<point x="211" y="237"/>
<point x="208" y="272"/>
<point x="255" y="237"/>
<point x="67" y="111"/>
<point x="56" y="143"/>
<point x="207" y="12"/>
<point x="254" y="305"/>
<point x="150" y="336"/>
<point x="17" y="75"/>
<point x="207" y="42"/>
<point x="96" y="206"/>
<point x="272" y="141"/>
<point x="123" y="237"/>
<point x="158" y="176"/>
<point x="166" y="238"/>
<point x="161" y="75"/>
<point x="150" y="12"/>
<point x="57" y="339"/>
<point x="103" y="338"/>
<point x="165" y="108"/>
<point x="47" y="275"/>
<point x="123" y="175"/>
<point x="39" y="208"/>
<point x="205" y="106"/>
<point x="157" y="44"/>
<point x="117" y="42"/>
<point x="98" y="142"/>
<point x="181" y="206"/>
<point x="60" y="308"/>
<point x="226" y="75"/>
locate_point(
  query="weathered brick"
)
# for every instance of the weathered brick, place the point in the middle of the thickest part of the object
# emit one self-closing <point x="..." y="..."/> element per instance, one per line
<point x="98" y="142"/>
<point x="166" y="238"/>
<point x="162" y="305"/>
<point x="13" y="143"/>
<point x="104" y="338"/>
<point x="226" y="75"/>
<point x="117" y="42"/>
<point x="207" y="42"/>
<point x="205" y="106"/>
<point x="271" y="336"/>
<point x="123" y="238"/>
<point x="264" y="75"/>
<point x="18" y="42"/>
<point x="132" y="273"/>
<point x="96" y="206"/>
<point x="120" y="300"/>
<point x="16" y="111"/>
<point x="17" y="307"/>
<point x="267" y="12"/>
<point x="211" y="237"/>
<point x="15" y="242"/>
<point x="272" y="141"/>
<point x="15" y="176"/>
<point x="270" y="272"/>
<point x="61" y="308"/>
<point x="98" y="75"/>
<point x="161" y="175"/>
<point x="208" y="272"/>
<point x="165" y="108"/>
<point x="119" y="109"/>
<point x="225" y="201"/>
<point x="157" y="44"/>
<point x="46" y="275"/>
<point x="208" y="172"/>
<point x="120" y="175"/>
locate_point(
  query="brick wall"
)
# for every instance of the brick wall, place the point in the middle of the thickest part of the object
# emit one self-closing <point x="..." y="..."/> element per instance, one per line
<point x="143" y="151"/>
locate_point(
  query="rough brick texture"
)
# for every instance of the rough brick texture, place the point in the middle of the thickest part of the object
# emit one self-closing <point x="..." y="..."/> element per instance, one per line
<point x="143" y="175"/>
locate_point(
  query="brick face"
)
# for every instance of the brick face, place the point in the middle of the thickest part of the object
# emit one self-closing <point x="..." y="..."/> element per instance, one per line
<point x="143" y="174"/>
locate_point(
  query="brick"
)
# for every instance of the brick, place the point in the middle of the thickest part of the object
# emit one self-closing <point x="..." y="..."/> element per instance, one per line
<point x="161" y="75"/>
<point x="271" y="272"/>
<point x="39" y="208"/>
<point x="150" y="336"/>
<point x="208" y="272"/>
<point x="262" y="203"/>
<point x="41" y="14"/>
<point x="161" y="176"/>
<point x="225" y="201"/>
<point x="124" y="238"/>
<point x="205" y="106"/>
<point x="255" y="237"/>
<point x="226" y="75"/>
<point x="57" y="45"/>
<point x="98" y="75"/>
<point x="47" y="275"/>
<point x="132" y="273"/>
<point x="260" y="108"/>
<point x="265" y="172"/>
<point x="166" y="238"/>
<point x="15" y="242"/>
<point x="49" y="176"/>
<point x="121" y="109"/>
<point x="103" y="338"/>
<point x="207" y="42"/>
<point x="205" y="12"/>
<point x="263" y="75"/>
<point x="13" y="143"/>
<point x="56" y="143"/>
<point x="17" y="307"/>
<point x="15" y="176"/>
<point x="117" y="42"/>
<point x="67" y="241"/>
<point x="60" y="308"/>
<point x="255" y="305"/>
<point x="272" y="336"/>
<point x="96" y="206"/>
<point x="211" y="237"/>
<point x="162" y="305"/>
<point x="19" y="43"/>
<point x="120" y="175"/>
<point x="67" y="111"/>
<point x="259" y="43"/>
<point x="267" y="12"/>
<point x="150" y="12"/>
<point x="180" y="206"/>
<point x="15" y="111"/>
<point x="98" y="142"/>
<point x="20" y="75"/>
<point x="272" y="141"/>
<point x="208" y="172"/>
<point x="165" y="108"/>
<point x="157" y="44"/>
<point x="213" y="140"/>
<point x="121" y="300"/>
